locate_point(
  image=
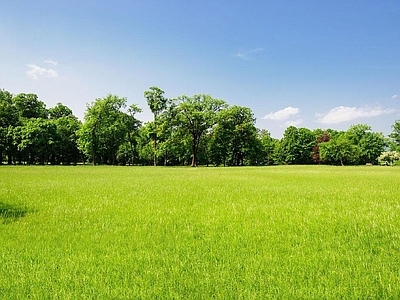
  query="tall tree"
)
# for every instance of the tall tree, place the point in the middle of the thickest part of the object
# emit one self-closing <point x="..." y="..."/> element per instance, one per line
<point x="371" y="144"/>
<point x="339" y="150"/>
<point x="29" y="106"/>
<point x="234" y="135"/>
<point x="59" y="111"/>
<point x="268" y="145"/>
<point x="395" y="136"/>
<point x="104" y="129"/>
<point x="157" y="103"/>
<point x="36" y="139"/>
<point x="8" y="120"/>
<point x="197" y="114"/>
<point x="297" y="145"/>
<point x="321" y="137"/>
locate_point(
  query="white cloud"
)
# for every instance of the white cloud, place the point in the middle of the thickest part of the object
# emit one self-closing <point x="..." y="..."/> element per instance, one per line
<point x="35" y="71"/>
<point x="344" y="113"/>
<point x="50" y="61"/>
<point x="293" y="123"/>
<point x="282" y="114"/>
<point x="241" y="56"/>
<point x="394" y="96"/>
<point x="255" y="50"/>
<point x="246" y="55"/>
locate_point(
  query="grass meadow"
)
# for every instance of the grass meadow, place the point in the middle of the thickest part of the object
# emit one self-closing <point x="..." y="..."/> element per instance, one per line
<point x="284" y="232"/>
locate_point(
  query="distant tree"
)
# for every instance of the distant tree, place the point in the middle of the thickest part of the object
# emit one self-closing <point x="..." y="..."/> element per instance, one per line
<point x="297" y="145"/>
<point x="104" y="129"/>
<point x="234" y="135"/>
<point x="132" y="126"/>
<point x="127" y="151"/>
<point x="371" y="144"/>
<point x="321" y="137"/>
<point x="29" y="106"/>
<point x="389" y="157"/>
<point x="268" y="146"/>
<point x="36" y="139"/>
<point x="8" y="120"/>
<point x="339" y="150"/>
<point x="395" y="136"/>
<point x="170" y="136"/>
<point x="59" y="111"/>
<point x="66" y="148"/>
<point x="279" y="155"/>
<point x="157" y="103"/>
<point x="197" y="115"/>
<point x="145" y="144"/>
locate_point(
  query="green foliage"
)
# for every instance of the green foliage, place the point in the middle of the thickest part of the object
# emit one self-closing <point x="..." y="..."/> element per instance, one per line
<point x="36" y="139"/>
<point x="234" y="136"/>
<point x="157" y="104"/>
<point x="29" y="106"/>
<point x="8" y="120"/>
<point x="66" y="151"/>
<point x="297" y="145"/>
<point x="268" y="146"/>
<point x="196" y="115"/>
<point x="389" y="158"/>
<point x="371" y="144"/>
<point x="60" y="111"/>
<point x="187" y="130"/>
<point x="106" y="128"/>
<point x="395" y="136"/>
<point x="339" y="150"/>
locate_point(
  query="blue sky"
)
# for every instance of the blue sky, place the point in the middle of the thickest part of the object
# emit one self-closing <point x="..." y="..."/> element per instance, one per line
<point x="314" y="64"/>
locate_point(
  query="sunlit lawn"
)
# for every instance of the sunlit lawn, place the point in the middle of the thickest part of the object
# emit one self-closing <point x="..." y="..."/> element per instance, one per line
<point x="289" y="232"/>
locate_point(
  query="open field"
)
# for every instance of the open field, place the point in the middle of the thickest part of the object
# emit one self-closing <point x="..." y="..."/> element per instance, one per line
<point x="198" y="233"/>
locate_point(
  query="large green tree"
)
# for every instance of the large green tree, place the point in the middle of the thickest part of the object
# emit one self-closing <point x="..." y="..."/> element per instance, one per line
<point x="395" y="136"/>
<point x="29" y="106"/>
<point x="8" y="120"/>
<point x="339" y="150"/>
<point x="36" y="140"/>
<point x="104" y="129"/>
<point x="268" y="146"/>
<point x="234" y="136"/>
<point x="297" y="144"/>
<point x="128" y="150"/>
<point x="371" y="144"/>
<point x="59" y="111"/>
<point x="197" y="115"/>
<point x="157" y="104"/>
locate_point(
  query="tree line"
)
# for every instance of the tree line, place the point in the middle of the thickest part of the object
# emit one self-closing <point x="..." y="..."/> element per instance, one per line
<point x="188" y="130"/>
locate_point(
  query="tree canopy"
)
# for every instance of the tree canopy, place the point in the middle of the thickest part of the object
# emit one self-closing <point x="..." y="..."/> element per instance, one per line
<point x="188" y="130"/>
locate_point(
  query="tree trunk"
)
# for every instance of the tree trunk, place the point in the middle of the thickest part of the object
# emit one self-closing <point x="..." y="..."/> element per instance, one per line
<point x="195" y="147"/>
<point x="155" y="155"/>
<point x="155" y="141"/>
<point x="194" y="158"/>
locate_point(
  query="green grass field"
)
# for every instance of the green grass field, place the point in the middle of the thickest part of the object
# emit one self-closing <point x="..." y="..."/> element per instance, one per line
<point x="290" y="232"/>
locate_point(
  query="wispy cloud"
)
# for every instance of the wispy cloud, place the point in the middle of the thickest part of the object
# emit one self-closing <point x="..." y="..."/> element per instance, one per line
<point x="282" y="114"/>
<point x="260" y="49"/>
<point x="242" y="56"/>
<point x="248" y="54"/>
<point x="394" y="96"/>
<point x="35" y="72"/>
<point x="52" y="62"/>
<point x="344" y="113"/>
<point x="292" y="123"/>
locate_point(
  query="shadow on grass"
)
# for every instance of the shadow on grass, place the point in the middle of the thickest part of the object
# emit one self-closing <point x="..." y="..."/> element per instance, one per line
<point x="10" y="213"/>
